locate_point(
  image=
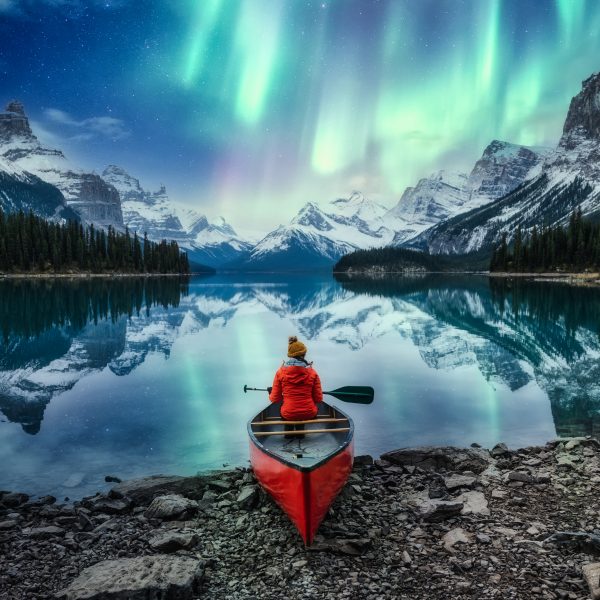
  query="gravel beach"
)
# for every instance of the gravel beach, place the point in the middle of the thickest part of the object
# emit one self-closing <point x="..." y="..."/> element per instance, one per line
<point x="415" y="523"/>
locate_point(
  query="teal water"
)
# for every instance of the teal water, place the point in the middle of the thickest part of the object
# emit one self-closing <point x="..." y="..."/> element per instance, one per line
<point x="134" y="377"/>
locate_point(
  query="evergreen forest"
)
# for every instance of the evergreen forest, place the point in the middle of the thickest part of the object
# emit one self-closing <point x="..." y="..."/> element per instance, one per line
<point x="30" y="244"/>
<point x="574" y="248"/>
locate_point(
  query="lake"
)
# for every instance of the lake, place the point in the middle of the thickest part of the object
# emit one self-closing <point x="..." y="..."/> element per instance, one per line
<point x="131" y="377"/>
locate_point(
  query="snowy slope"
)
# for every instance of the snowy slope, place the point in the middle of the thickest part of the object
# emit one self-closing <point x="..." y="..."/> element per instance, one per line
<point x="20" y="190"/>
<point x="318" y="235"/>
<point x="86" y="193"/>
<point x="212" y="243"/>
<point x="502" y="168"/>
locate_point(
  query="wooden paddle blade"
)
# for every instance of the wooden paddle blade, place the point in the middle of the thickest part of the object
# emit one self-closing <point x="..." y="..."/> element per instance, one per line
<point x="358" y="394"/>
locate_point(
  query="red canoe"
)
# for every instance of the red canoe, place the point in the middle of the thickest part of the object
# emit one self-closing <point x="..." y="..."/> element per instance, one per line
<point x="305" y="470"/>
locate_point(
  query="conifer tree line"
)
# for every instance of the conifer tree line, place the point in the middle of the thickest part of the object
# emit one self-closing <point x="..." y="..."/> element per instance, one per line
<point x="31" y="244"/>
<point x="572" y="248"/>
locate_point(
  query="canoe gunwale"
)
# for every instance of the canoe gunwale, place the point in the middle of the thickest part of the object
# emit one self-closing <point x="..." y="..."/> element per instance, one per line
<point x="306" y="469"/>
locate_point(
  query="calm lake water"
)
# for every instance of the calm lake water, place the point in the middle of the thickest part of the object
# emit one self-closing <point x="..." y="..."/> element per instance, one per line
<point x="135" y="377"/>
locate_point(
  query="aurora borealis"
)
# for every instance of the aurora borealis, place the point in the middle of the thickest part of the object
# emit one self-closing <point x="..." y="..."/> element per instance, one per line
<point x="249" y="108"/>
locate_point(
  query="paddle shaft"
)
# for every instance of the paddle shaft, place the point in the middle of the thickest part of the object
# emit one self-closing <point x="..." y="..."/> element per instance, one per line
<point x="332" y="393"/>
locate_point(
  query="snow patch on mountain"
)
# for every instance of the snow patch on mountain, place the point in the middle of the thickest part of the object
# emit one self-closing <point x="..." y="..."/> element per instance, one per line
<point x="86" y="193"/>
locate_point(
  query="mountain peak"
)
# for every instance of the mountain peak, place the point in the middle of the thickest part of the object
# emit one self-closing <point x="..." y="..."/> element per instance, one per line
<point x="14" y="106"/>
<point x="583" y="117"/>
<point x="14" y="122"/>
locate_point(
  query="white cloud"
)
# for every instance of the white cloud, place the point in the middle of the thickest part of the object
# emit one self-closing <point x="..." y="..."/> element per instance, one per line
<point x="86" y="129"/>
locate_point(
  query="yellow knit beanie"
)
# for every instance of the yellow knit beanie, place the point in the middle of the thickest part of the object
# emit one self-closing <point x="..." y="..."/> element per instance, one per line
<point x="295" y="348"/>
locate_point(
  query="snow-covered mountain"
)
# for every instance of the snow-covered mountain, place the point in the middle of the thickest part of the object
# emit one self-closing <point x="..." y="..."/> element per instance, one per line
<point x="20" y="190"/>
<point x="212" y="243"/>
<point x="502" y="168"/>
<point x="85" y="193"/>
<point x="568" y="178"/>
<point x="319" y="234"/>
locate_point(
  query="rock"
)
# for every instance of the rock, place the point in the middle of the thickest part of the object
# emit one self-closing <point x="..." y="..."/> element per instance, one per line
<point x="352" y="547"/>
<point x="171" y="506"/>
<point x="150" y="577"/>
<point x="44" y="533"/>
<point x="483" y="538"/>
<point x="143" y="491"/>
<point x="437" y="488"/>
<point x="521" y="476"/>
<point x="499" y="450"/>
<point x="171" y="541"/>
<point x="500" y="494"/>
<point x="299" y="564"/>
<point x="220" y="484"/>
<point x="108" y="506"/>
<point x="9" y="524"/>
<point x="39" y="502"/>
<point x="474" y="503"/>
<point x="578" y="540"/>
<point x="363" y="460"/>
<point x="456" y="536"/>
<point x="435" y="458"/>
<point x="209" y="496"/>
<point x="14" y="499"/>
<point x="439" y="510"/>
<point x="406" y="559"/>
<point x="248" y="497"/>
<point x="455" y="482"/>
<point x="591" y="574"/>
<point x="112" y="479"/>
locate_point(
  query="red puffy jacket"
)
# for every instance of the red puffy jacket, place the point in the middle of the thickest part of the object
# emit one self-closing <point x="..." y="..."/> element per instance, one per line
<point x="299" y="386"/>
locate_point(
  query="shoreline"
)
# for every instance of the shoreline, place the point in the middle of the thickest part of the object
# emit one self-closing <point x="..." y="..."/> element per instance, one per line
<point x="90" y="275"/>
<point x="431" y="522"/>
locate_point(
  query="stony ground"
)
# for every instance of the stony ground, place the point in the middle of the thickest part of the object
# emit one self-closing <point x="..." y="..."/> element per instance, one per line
<point x="418" y="523"/>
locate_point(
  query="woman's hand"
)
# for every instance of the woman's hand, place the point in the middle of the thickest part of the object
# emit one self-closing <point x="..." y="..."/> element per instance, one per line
<point x="269" y="389"/>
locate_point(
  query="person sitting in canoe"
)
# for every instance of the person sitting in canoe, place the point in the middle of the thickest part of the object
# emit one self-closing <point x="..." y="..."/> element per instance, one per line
<point x="297" y="385"/>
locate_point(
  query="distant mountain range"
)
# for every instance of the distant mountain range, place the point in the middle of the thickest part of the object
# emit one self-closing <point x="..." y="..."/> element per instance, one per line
<point x="446" y="213"/>
<point x="212" y="243"/>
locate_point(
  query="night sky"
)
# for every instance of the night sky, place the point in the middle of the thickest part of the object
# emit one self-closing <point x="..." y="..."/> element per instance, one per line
<point x="249" y="108"/>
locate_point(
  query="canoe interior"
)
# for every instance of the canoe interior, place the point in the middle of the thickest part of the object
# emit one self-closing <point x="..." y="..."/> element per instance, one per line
<point x="308" y="451"/>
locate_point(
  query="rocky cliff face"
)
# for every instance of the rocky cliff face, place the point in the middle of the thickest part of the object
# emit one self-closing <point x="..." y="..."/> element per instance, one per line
<point x="569" y="178"/>
<point x="13" y="122"/>
<point x="583" y="118"/>
<point x="85" y="193"/>
<point x="501" y="169"/>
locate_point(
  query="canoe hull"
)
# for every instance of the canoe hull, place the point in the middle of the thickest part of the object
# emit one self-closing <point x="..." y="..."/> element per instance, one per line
<point x="304" y="495"/>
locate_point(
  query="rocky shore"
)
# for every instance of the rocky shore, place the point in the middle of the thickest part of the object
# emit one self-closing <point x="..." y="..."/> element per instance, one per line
<point x="415" y="523"/>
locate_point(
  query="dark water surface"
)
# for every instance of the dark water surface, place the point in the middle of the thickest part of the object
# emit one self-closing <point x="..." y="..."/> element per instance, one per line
<point x="134" y="377"/>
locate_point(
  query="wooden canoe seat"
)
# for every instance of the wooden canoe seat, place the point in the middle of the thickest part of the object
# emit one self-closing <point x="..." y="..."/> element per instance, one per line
<point x="301" y="432"/>
<point x="282" y="422"/>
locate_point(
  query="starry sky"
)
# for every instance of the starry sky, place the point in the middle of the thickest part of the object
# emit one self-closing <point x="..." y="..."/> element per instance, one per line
<point x="249" y="108"/>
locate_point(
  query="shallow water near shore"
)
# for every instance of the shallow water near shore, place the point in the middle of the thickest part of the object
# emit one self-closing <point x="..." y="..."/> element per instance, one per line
<point x="135" y="377"/>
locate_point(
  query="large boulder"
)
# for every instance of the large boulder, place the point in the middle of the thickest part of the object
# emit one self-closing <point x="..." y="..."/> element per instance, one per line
<point x="143" y="491"/>
<point x="160" y="577"/>
<point x="171" y="506"/>
<point x="434" y="458"/>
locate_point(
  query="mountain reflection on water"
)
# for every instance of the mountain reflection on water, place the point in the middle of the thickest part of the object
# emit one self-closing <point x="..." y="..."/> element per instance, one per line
<point x="550" y="327"/>
<point x="137" y="376"/>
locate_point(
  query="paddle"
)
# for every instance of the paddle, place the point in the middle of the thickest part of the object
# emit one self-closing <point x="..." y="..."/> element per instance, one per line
<point x="357" y="394"/>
